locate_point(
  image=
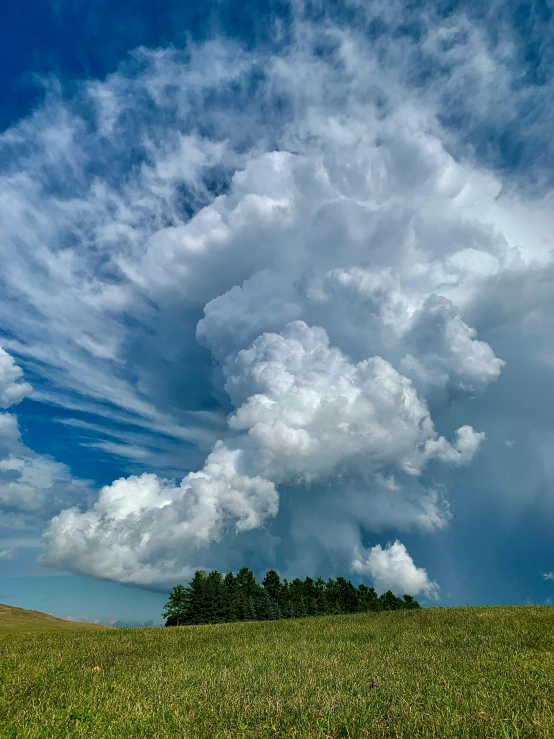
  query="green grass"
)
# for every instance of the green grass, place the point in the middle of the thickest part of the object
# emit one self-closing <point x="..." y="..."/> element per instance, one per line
<point x="13" y="620"/>
<point x="470" y="672"/>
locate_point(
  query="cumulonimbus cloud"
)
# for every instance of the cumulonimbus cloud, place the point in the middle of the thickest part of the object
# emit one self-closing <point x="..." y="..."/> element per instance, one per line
<point x="317" y="240"/>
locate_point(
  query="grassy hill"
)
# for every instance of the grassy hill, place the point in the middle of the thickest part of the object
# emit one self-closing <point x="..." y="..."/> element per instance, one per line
<point x="14" y="620"/>
<point x="455" y="673"/>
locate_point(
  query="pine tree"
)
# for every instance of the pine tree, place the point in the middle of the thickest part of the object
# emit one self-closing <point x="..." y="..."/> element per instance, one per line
<point x="410" y="603"/>
<point x="197" y="605"/>
<point x="264" y="607"/>
<point x="332" y="592"/>
<point x="252" y="614"/>
<point x="286" y="609"/>
<point x="212" y="598"/>
<point x="348" y="595"/>
<point x="272" y="584"/>
<point x="321" y="597"/>
<point x="246" y="584"/>
<point x="231" y="604"/>
<point x="242" y="608"/>
<point x="389" y="601"/>
<point x="175" y="611"/>
<point x="215" y="598"/>
<point x="301" y="610"/>
<point x="367" y="598"/>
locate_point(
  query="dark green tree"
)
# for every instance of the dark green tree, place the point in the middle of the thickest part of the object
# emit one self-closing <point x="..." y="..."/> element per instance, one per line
<point x="348" y="595"/>
<point x="198" y="608"/>
<point x="321" y="597"/>
<point x="367" y="598"/>
<point x="252" y="611"/>
<point x="175" y="611"/>
<point x="215" y="593"/>
<point x="410" y="603"/>
<point x="231" y="598"/>
<point x="333" y="595"/>
<point x="264" y="607"/>
<point x="390" y="602"/>
<point x="272" y="585"/>
<point x="246" y="584"/>
<point x="212" y="598"/>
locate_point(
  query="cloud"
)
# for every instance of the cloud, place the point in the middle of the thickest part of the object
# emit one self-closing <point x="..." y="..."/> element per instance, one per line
<point x="12" y="390"/>
<point x="7" y="554"/>
<point x="548" y="575"/>
<point x="392" y="568"/>
<point x="295" y="240"/>
<point x="303" y="413"/>
<point x="32" y="486"/>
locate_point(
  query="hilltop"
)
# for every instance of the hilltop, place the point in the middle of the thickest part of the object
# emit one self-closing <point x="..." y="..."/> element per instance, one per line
<point x="13" y="619"/>
<point x="462" y="673"/>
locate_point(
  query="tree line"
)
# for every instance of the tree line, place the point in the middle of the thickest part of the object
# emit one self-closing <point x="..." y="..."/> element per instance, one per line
<point x="212" y="598"/>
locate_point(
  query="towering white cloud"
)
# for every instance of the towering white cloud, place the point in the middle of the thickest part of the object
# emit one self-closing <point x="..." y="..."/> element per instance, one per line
<point x="304" y="414"/>
<point x="318" y="255"/>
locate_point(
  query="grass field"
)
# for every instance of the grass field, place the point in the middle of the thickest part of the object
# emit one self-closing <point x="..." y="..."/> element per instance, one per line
<point x="14" y="620"/>
<point x="472" y="672"/>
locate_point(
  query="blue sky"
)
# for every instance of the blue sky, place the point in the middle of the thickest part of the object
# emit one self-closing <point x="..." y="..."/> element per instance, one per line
<point x="276" y="290"/>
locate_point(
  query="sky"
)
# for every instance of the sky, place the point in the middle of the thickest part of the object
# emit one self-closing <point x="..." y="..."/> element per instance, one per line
<point x="276" y="290"/>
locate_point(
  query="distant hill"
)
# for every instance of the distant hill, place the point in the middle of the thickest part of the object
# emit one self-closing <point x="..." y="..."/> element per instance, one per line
<point x="14" y="619"/>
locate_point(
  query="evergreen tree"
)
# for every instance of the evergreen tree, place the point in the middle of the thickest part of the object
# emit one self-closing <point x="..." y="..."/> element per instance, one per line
<point x="272" y="585"/>
<point x="389" y="601"/>
<point x="410" y="603"/>
<point x="321" y="597"/>
<point x="252" y="613"/>
<point x="286" y="611"/>
<point x="231" y="608"/>
<point x="367" y="598"/>
<point x="215" y="593"/>
<point x="197" y="603"/>
<point x="301" y="610"/>
<point x="332" y="591"/>
<point x="347" y="594"/>
<point x="264" y="607"/>
<point x="246" y="584"/>
<point x="242" y="608"/>
<point x="175" y="611"/>
<point x="212" y="598"/>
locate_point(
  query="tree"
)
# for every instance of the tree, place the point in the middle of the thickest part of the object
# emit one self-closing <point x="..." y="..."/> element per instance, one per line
<point x="321" y="597"/>
<point x="252" y="613"/>
<point x="410" y="603"/>
<point x="265" y="607"/>
<point x="246" y="584"/>
<point x="215" y="598"/>
<point x="231" y="608"/>
<point x="367" y="598"/>
<point x="348" y="595"/>
<point x="212" y="598"/>
<point x="197" y="600"/>
<point x="175" y="611"/>
<point x="390" y="602"/>
<point x="272" y="584"/>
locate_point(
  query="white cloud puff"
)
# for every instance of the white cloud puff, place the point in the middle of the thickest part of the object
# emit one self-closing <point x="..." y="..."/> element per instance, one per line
<point x="392" y="568"/>
<point x="12" y="389"/>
